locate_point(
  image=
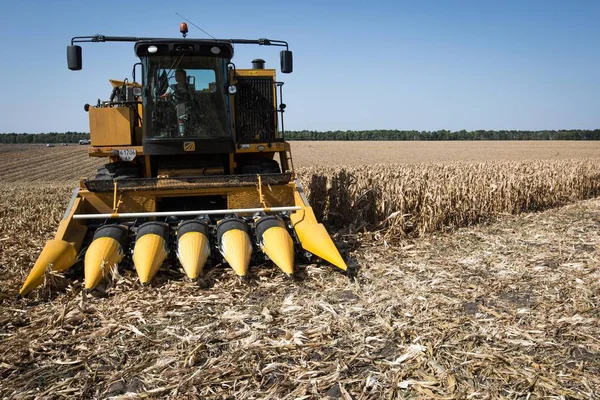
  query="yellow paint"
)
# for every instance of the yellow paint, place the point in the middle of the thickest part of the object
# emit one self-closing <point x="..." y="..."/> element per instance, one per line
<point x="107" y="151"/>
<point x="101" y="255"/>
<point x="279" y="247"/>
<point x="237" y="250"/>
<point x="111" y="126"/>
<point x="57" y="255"/>
<point x="117" y="83"/>
<point x="70" y="230"/>
<point x="193" y="249"/>
<point x="189" y="146"/>
<point x="145" y="200"/>
<point x="149" y="253"/>
<point x="313" y="236"/>
<point x="256" y="72"/>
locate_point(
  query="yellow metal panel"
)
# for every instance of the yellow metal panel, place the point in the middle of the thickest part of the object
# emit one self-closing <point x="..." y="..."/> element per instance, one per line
<point x="129" y="202"/>
<point x="256" y="72"/>
<point x="111" y="126"/>
<point x="116" y="83"/>
<point x="145" y="201"/>
<point x="107" y="151"/>
<point x="275" y="196"/>
<point x="313" y="236"/>
<point x="71" y="230"/>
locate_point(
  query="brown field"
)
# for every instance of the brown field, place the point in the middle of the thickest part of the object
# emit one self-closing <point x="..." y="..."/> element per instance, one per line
<point x="366" y="153"/>
<point x="26" y="163"/>
<point x="38" y="163"/>
<point x="476" y="277"/>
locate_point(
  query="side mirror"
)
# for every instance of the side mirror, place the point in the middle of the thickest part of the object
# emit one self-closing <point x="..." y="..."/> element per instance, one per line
<point x="74" y="57"/>
<point x="287" y="61"/>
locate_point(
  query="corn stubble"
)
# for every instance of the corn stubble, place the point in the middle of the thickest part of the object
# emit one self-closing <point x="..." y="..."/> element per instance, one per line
<point x="475" y="314"/>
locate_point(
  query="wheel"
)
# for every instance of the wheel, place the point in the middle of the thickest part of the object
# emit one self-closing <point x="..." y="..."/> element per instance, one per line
<point x="261" y="166"/>
<point x="117" y="171"/>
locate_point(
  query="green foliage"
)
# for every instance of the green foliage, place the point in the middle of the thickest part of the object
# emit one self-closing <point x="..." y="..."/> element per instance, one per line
<point x="52" y="137"/>
<point x="381" y="134"/>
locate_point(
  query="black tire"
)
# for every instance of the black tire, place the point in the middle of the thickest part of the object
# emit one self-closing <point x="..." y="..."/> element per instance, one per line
<point x="262" y="166"/>
<point x="251" y="169"/>
<point x="117" y="171"/>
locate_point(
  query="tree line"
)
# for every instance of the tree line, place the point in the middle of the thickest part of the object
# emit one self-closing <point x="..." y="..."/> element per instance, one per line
<point x="379" y="134"/>
<point x="52" y="137"/>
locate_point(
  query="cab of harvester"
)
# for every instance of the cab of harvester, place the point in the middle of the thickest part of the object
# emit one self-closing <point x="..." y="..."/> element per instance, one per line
<point x="194" y="112"/>
<point x="196" y="164"/>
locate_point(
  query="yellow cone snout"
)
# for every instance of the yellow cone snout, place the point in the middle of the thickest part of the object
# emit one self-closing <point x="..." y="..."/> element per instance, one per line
<point x="234" y="244"/>
<point x="314" y="237"/>
<point x="150" y="249"/>
<point x="106" y="250"/>
<point x="275" y="241"/>
<point x="193" y="246"/>
<point x="57" y="255"/>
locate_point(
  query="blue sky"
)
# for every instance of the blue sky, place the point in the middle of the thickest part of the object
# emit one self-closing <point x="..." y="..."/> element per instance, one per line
<point x="423" y="65"/>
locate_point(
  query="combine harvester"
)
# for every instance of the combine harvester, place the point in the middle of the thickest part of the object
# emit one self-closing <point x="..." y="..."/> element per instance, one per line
<point x="197" y="165"/>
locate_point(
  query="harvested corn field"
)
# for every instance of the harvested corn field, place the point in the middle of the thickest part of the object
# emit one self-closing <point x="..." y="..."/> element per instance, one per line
<point x="60" y="164"/>
<point x="38" y="163"/>
<point x="505" y="310"/>
<point x="367" y="153"/>
<point x="411" y="200"/>
<point x="439" y="307"/>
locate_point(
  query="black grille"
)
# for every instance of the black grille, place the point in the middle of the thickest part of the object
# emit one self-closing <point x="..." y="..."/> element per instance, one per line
<point x="190" y="182"/>
<point x="254" y="110"/>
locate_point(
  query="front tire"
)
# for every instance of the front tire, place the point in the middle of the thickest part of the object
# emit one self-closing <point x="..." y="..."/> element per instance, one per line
<point x="117" y="171"/>
<point x="262" y="166"/>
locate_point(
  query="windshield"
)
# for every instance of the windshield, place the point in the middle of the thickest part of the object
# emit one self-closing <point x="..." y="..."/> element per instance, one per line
<point x="186" y="97"/>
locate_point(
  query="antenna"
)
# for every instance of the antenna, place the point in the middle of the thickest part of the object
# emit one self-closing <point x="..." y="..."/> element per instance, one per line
<point x="196" y="26"/>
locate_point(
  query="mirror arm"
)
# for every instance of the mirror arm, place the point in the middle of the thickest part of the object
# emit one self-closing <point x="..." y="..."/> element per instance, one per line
<point x="262" y="42"/>
<point x="133" y="71"/>
<point x="102" y="38"/>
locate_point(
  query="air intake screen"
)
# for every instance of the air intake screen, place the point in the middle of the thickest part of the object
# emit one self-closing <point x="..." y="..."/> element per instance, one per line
<point x="255" y="110"/>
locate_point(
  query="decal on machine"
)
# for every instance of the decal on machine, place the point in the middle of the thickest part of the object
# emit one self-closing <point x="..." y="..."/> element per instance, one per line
<point x="189" y="146"/>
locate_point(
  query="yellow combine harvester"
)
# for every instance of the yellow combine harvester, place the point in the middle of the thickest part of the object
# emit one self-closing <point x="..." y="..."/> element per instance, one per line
<point x="197" y="166"/>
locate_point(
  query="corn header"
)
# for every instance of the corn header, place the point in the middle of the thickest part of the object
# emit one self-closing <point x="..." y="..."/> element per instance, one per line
<point x="198" y="167"/>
